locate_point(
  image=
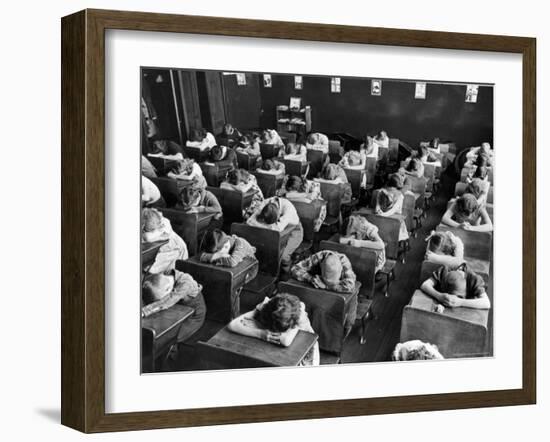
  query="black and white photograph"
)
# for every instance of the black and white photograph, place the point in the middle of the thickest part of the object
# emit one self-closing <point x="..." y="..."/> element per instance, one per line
<point x="334" y="225"/>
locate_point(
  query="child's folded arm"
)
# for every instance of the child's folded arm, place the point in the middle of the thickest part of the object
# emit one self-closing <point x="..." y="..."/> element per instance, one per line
<point x="286" y="338"/>
<point x="162" y="304"/>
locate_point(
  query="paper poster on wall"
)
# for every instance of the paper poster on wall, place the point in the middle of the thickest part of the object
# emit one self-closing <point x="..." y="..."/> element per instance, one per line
<point x="335" y="85"/>
<point x="295" y="103"/>
<point x="471" y="93"/>
<point x="420" y="90"/>
<point x="267" y="80"/>
<point x="298" y="82"/>
<point x="376" y="87"/>
<point x="241" y="79"/>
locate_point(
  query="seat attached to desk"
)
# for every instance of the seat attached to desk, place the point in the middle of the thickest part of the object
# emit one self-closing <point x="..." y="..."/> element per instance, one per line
<point x="221" y="286"/>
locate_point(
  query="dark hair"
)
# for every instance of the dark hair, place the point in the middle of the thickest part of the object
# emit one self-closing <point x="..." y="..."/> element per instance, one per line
<point x="269" y="214"/>
<point x="150" y="283"/>
<point x="235" y="176"/>
<point x="467" y="204"/>
<point x="269" y="165"/>
<point x="384" y="200"/>
<point x="422" y="151"/>
<point x="395" y="180"/>
<point x="414" y="165"/>
<point x="475" y="187"/>
<point x="280" y="313"/>
<point x="183" y="166"/>
<point x="213" y="241"/>
<point x="481" y="172"/>
<point x="197" y="134"/>
<point x="216" y="153"/>
<point x="295" y="184"/>
<point x="439" y="243"/>
<point x="227" y="127"/>
<point x="482" y="160"/>
<point x="330" y="172"/>
<point x="435" y="142"/>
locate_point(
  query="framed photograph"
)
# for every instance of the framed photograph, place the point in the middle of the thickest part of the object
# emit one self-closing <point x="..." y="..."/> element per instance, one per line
<point x="420" y="90"/>
<point x="376" y="87"/>
<point x="471" y="93"/>
<point x="191" y="277"/>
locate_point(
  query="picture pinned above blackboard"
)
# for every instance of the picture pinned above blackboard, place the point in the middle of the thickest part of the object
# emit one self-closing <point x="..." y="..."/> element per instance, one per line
<point x="267" y="80"/>
<point x="241" y="79"/>
<point x="335" y="85"/>
<point x="471" y="93"/>
<point x="376" y="87"/>
<point x="420" y="91"/>
<point x="298" y="82"/>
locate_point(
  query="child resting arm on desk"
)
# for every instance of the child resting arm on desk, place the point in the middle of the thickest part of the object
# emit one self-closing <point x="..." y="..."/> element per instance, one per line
<point x="445" y="248"/>
<point x="361" y="233"/>
<point x="223" y="250"/>
<point x="466" y="213"/>
<point x="277" y="320"/>
<point x="457" y="288"/>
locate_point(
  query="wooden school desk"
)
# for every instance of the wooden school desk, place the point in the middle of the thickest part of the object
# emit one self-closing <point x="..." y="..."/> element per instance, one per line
<point x="159" y="332"/>
<point x="190" y="226"/>
<point x="233" y="203"/>
<point x="221" y="286"/>
<point x="230" y="350"/>
<point x="170" y="188"/>
<point x="457" y="332"/>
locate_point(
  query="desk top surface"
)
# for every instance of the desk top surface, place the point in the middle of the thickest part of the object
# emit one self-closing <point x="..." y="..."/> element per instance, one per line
<point x="151" y="246"/>
<point x="422" y="301"/>
<point x="271" y="354"/>
<point x="165" y="320"/>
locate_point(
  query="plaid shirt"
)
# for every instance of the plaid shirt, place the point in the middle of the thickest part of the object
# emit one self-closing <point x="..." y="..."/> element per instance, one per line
<point x="307" y="269"/>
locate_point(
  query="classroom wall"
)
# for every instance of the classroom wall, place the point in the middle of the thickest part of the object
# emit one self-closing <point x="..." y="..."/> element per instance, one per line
<point x="443" y="113"/>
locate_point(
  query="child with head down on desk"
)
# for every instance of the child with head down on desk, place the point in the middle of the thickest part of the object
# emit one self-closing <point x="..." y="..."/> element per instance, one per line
<point x="225" y="250"/>
<point x="457" y="288"/>
<point x="156" y="227"/>
<point x="326" y="270"/>
<point x="163" y="290"/>
<point x="277" y="320"/>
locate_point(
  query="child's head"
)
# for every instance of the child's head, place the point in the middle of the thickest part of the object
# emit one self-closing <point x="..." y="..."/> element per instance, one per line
<point x="382" y="135"/>
<point x="217" y="153"/>
<point x="358" y="227"/>
<point x="481" y="172"/>
<point x="385" y="200"/>
<point x="292" y="149"/>
<point x="435" y="143"/>
<point x="330" y="172"/>
<point x="269" y="165"/>
<point x="369" y="140"/>
<point x="215" y="241"/>
<point x="331" y="269"/>
<point x="295" y="184"/>
<point x="475" y="187"/>
<point x="280" y="313"/>
<point x="160" y="146"/>
<point x="395" y="180"/>
<point x="235" y="176"/>
<point x="189" y="196"/>
<point x="228" y="129"/>
<point x="269" y="214"/>
<point x="414" y="165"/>
<point x="156" y="287"/>
<point x="439" y="243"/>
<point x="354" y="158"/>
<point x="454" y="283"/>
<point x="267" y="135"/>
<point x="313" y="138"/>
<point x="197" y="134"/>
<point x="184" y="166"/>
<point x="466" y="204"/>
<point x="415" y="350"/>
<point x="485" y="148"/>
<point x="151" y="220"/>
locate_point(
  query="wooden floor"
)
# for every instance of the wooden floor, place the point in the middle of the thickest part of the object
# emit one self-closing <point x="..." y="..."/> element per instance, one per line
<point x="382" y="331"/>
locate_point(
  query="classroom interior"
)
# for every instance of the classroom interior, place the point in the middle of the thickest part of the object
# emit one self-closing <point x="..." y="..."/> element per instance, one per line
<point x="390" y="307"/>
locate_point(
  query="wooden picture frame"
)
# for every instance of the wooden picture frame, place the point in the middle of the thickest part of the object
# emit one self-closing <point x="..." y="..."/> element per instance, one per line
<point x="83" y="219"/>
